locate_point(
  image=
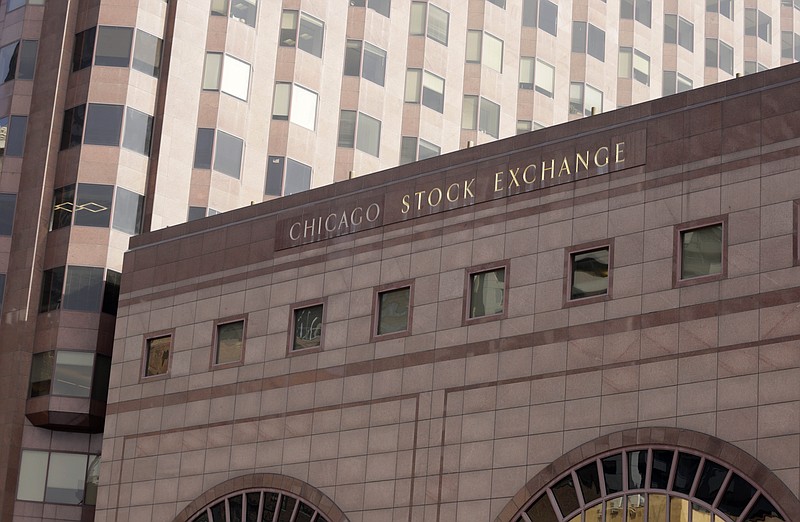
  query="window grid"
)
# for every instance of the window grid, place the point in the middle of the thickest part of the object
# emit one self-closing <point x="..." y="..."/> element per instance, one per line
<point x="259" y="504"/>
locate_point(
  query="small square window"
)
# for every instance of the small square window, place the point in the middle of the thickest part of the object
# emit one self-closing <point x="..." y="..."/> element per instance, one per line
<point x="701" y="251"/>
<point x="229" y="344"/>
<point x="307" y="327"/>
<point x="589" y="273"/>
<point x="393" y="311"/>
<point x="487" y="292"/>
<point x="157" y="350"/>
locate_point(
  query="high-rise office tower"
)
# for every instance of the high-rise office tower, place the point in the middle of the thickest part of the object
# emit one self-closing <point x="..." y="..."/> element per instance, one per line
<point x="121" y="116"/>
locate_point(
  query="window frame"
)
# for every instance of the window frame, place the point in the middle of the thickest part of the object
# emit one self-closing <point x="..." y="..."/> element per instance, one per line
<point x="90" y="457"/>
<point x="376" y="310"/>
<point x="356" y="141"/>
<point x="569" y="257"/>
<point x="299" y="15"/>
<point x="291" y="351"/>
<point x="162" y="334"/>
<point x="677" y="252"/>
<point x="214" y="365"/>
<point x="426" y="26"/>
<point x="505" y="265"/>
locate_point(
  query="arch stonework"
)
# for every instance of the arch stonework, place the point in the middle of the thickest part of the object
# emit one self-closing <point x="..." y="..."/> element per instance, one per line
<point x="723" y="451"/>
<point x="273" y="481"/>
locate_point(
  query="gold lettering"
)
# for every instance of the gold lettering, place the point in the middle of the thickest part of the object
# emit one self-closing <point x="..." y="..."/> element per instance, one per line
<point x="467" y="189"/>
<point x="406" y="204"/>
<point x="514" y="181"/>
<point x="327" y="220"/>
<point x="596" y="154"/>
<point x="564" y="166"/>
<point x="456" y="186"/>
<point x="497" y="181"/>
<point x="356" y="220"/>
<point x="291" y="231"/>
<point x="581" y="160"/>
<point x="438" y="200"/>
<point x="525" y="174"/>
<point x="419" y="199"/>
<point x="343" y="221"/>
<point x="619" y="151"/>
<point x="377" y="212"/>
<point x="551" y="169"/>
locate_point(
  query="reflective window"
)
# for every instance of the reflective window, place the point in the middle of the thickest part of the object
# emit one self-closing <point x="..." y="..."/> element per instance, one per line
<point x="157" y="355"/>
<point x="8" y="62"/>
<point x="483" y="115"/>
<point x="18" y="60"/>
<point x="675" y="82"/>
<point x="757" y="23"/>
<point x="212" y="71"/>
<point x="723" y="7"/>
<point x="469" y="112"/>
<point x="719" y="54"/>
<point x="72" y="129"/>
<point x="347" y="129"/>
<point x="485" y="48"/>
<point x="103" y="124"/>
<point x="359" y="130"/>
<point x="524" y="126"/>
<point x="41" y="374"/>
<point x="545" y="78"/>
<point x="246" y="506"/>
<point x="242" y="10"/>
<point x="113" y="46"/>
<point x="589" y="39"/>
<point x="204" y="148"/>
<point x="753" y="67"/>
<point x="84" y="49"/>
<point x="60" y="478"/>
<point x="230" y="342"/>
<point x="15" y="135"/>
<point x="84" y="288"/>
<point x="412" y="149"/>
<point x="307" y="327"/>
<point x="225" y="73"/>
<point x="92" y="205"/>
<point x="678" y="30"/>
<point x="701" y="251"/>
<point x="196" y="213"/>
<point x="428" y="19"/>
<point x="393" y="308"/>
<point x="640" y="10"/>
<point x="32" y="476"/>
<point x="634" y="64"/>
<point x="373" y="65"/>
<point x="147" y="53"/>
<point x="526" y="69"/>
<point x="583" y="99"/>
<point x="499" y="3"/>
<point x="73" y="373"/>
<point x="425" y="87"/>
<point x="487" y="292"/>
<point x="303" y="31"/>
<point x="138" y="131"/>
<point x="297" y="176"/>
<point x="63" y="207"/>
<point x="228" y="154"/>
<point x="542" y="14"/>
<point x="128" y="211"/>
<point x="52" y="288"/>
<point x="589" y="273"/>
<point x="8" y="203"/>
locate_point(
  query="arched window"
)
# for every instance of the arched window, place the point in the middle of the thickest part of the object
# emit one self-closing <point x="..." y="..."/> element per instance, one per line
<point x="259" y="505"/>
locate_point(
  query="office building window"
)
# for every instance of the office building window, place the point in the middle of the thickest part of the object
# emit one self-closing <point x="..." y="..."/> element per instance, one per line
<point x="790" y="3"/>
<point x="586" y="38"/>
<point x="242" y="10"/>
<point x="427" y="19"/>
<point x="583" y="98"/>
<point x="103" y="124"/>
<point x="545" y="78"/>
<point x="719" y="54"/>
<point x="16" y="128"/>
<point x="790" y="45"/>
<point x="526" y="70"/>
<point x="83" y="290"/>
<point x="286" y="176"/>
<point x="498" y="3"/>
<point x="203" y="148"/>
<point x="524" y="126"/>
<point x="69" y="373"/>
<point x="52" y="288"/>
<point x="147" y="53"/>
<point x="84" y="49"/>
<point x="379" y="6"/>
<point x="197" y="213"/>
<point x="393" y="311"/>
<point x="111" y="292"/>
<point x="307" y="327"/>
<point x="157" y="350"/>
<point x="72" y="128"/>
<point x="701" y="251"/>
<point x="59" y="478"/>
<point x="41" y="374"/>
<point x="8" y="203"/>
<point x="128" y="211"/>
<point x="757" y="23"/>
<point x="16" y="4"/>
<point x="113" y="47"/>
<point x="365" y="60"/>
<point x="425" y="87"/>
<point x="92" y="205"/>
<point x="589" y="274"/>
<point x="138" y="131"/>
<point x="640" y="10"/>
<point x="296" y="104"/>
<point x="301" y="30"/>
<point x="485" y="48"/>
<point x="229" y="343"/>
<point x="678" y="30"/>
<point x="487" y="291"/>
<point x="18" y="60"/>
<point x="675" y="82"/>
<point x="227" y="74"/>
<point x="723" y="7"/>
<point x="634" y="63"/>
<point x="356" y="128"/>
<point x="753" y="67"/>
<point x="482" y="114"/>
<point x="228" y="154"/>
<point x="542" y="14"/>
<point x="413" y="149"/>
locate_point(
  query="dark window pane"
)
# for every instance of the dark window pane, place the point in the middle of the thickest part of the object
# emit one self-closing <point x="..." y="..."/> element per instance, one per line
<point x="542" y="511"/>
<point x="73" y="373"/>
<point x="147" y="53"/>
<point x="15" y="138"/>
<point x="393" y="311"/>
<point x="229" y="342"/>
<point x="92" y="480"/>
<point x="128" y="211"/>
<point x="298" y="177"/>
<point x="253" y="502"/>
<point x="8" y="203"/>
<point x="158" y="350"/>
<point x="103" y="124"/>
<point x="111" y="292"/>
<point x="93" y="205"/>
<point x="83" y="289"/>
<point x="113" y="46"/>
<point x="84" y="48"/>
<point x="637" y="469"/>
<point x="270" y="505"/>
<point x="529" y="9"/>
<point x="274" y="176"/>
<point x="196" y="213"/>
<point x="102" y="372"/>
<point x="736" y="497"/>
<point x="63" y="206"/>
<point x="304" y="513"/>
<point x="670" y="29"/>
<point x="612" y="473"/>
<point x="66" y="478"/>
<point x="310" y="36"/>
<point x="286" y="508"/>
<point x="596" y="45"/>
<point x="52" y="287"/>
<point x="710" y="481"/>
<point x="701" y="252"/>
<point x="408" y="149"/>
<point x="548" y="17"/>
<point x="203" y="148"/>
<point x="643" y="12"/>
<point x="374" y="68"/>
<point x="566" y="498"/>
<point x="347" y="129"/>
<point x="685" y="473"/>
<point x="352" y="58"/>
<point x="763" y="511"/>
<point x="662" y="465"/>
<point x="589" y="481"/>
<point x="487" y="293"/>
<point x="8" y="62"/>
<point x="244" y="11"/>
<point x="41" y="374"/>
<point x="228" y="159"/>
<point x="235" y="508"/>
<point x="368" y="135"/>
<point x="626" y="9"/>
<point x="380" y="6"/>
<point x="428" y="150"/>
<point x="288" y="36"/>
<point x="138" y="131"/>
<point x="72" y="129"/>
<point x="578" y="37"/>
<point x="27" y="59"/>
<point x="307" y="327"/>
<point x="589" y="274"/>
<point x="218" y="512"/>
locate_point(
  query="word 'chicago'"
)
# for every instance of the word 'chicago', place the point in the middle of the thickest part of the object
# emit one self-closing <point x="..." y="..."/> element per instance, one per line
<point x="335" y="223"/>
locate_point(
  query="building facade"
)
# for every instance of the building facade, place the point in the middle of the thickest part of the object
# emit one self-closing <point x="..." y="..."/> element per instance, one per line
<point x="118" y="117"/>
<point x="597" y="321"/>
